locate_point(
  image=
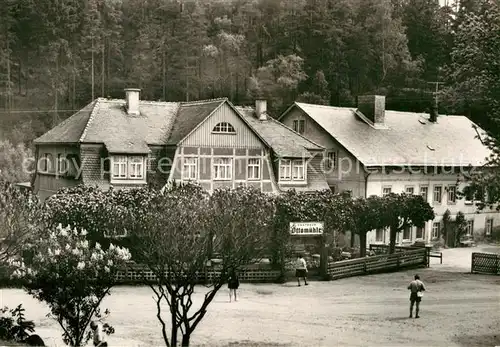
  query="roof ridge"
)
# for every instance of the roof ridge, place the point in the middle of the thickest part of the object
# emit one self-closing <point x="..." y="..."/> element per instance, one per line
<point x="91" y="118"/>
<point x="287" y="127"/>
<point x="324" y="106"/>
<point x="197" y="102"/>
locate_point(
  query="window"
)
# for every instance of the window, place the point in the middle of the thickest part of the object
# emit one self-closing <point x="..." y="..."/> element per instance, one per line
<point x="438" y="194"/>
<point x="224" y="128"/>
<point x="435" y="230"/>
<point x="406" y="234"/>
<point x="424" y="191"/>
<point x="299" y="125"/>
<point x="120" y="166"/>
<point x="331" y="159"/>
<point x="420" y="234"/>
<point x="47" y="163"/>
<point x="190" y="168"/>
<point x="469" y="229"/>
<point x="452" y="194"/>
<point x="410" y="190"/>
<point x="469" y="195"/>
<point x="298" y="170"/>
<point x="379" y="235"/>
<point x="253" y="169"/>
<point x="488" y="227"/>
<point x="125" y="167"/>
<point x="223" y="169"/>
<point x="285" y="169"/>
<point x="136" y="167"/>
<point x="386" y="190"/>
<point x="62" y="166"/>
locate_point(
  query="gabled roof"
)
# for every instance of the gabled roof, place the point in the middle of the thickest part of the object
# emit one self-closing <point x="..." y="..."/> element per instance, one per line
<point x="284" y="141"/>
<point x="190" y="115"/>
<point x="70" y="130"/>
<point x="410" y="139"/>
<point x="110" y="124"/>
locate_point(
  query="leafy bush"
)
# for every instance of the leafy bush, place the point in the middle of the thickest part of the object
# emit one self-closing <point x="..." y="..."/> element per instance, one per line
<point x="71" y="277"/>
<point x="15" y="327"/>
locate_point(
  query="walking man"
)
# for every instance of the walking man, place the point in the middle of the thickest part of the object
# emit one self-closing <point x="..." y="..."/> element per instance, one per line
<point x="417" y="289"/>
<point x="301" y="270"/>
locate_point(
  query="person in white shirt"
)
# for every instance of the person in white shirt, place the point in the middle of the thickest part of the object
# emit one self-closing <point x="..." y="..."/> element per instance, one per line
<point x="98" y="334"/>
<point x="301" y="270"/>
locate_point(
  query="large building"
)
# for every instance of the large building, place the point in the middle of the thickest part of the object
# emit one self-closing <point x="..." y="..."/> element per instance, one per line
<point x="131" y="143"/>
<point x="373" y="151"/>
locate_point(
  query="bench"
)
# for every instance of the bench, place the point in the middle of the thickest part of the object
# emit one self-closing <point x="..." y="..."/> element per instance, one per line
<point x="467" y="243"/>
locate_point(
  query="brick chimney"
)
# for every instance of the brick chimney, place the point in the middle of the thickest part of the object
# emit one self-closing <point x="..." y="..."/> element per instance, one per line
<point x="373" y="108"/>
<point x="261" y="109"/>
<point x="132" y="101"/>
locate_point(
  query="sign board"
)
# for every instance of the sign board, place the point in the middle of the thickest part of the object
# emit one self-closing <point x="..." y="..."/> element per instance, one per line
<point x="306" y="228"/>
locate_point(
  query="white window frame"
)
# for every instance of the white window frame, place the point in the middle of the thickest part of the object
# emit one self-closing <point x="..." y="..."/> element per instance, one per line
<point x="285" y="169"/>
<point x="409" y="229"/>
<point x="452" y="189"/>
<point x="412" y="190"/>
<point x="436" y="226"/>
<point x="222" y="165"/>
<point x="121" y="162"/>
<point x="422" y="237"/>
<point x="299" y="126"/>
<point x="135" y="165"/>
<point x="382" y="234"/>
<point x="426" y="197"/>
<point x="440" y="201"/>
<point x="488" y="228"/>
<point x="253" y="169"/>
<point x="331" y="159"/>
<point x="384" y="188"/>
<point x="190" y="168"/>
<point x="224" y="128"/>
<point x="300" y="165"/>
<point x="61" y="163"/>
<point x="470" y="228"/>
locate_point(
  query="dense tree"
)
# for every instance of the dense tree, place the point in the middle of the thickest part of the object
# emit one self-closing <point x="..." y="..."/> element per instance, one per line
<point x="401" y="211"/>
<point x="183" y="228"/>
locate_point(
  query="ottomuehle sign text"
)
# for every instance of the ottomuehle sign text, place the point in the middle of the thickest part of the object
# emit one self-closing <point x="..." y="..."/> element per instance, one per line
<point x="306" y="228"/>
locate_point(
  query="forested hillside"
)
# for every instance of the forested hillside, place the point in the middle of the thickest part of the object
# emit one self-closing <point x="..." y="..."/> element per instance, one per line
<point x="57" y="55"/>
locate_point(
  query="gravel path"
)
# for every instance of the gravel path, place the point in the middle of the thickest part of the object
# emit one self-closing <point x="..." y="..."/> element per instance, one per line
<point x="458" y="309"/>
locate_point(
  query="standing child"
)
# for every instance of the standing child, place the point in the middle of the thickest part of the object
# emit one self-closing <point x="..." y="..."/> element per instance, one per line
<point x="98" y="334"/>
<point x="233" y="284"/>
<point x="301" y="270"/>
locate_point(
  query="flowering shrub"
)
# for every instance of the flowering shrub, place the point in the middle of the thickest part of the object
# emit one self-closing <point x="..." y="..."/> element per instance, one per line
<point x="71" y="277"/>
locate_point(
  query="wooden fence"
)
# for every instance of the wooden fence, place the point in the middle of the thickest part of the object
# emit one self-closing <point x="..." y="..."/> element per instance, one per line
<point x="384" y="249"/>
<point x="379" y="263"/>
<point x="485" y="263"/>
<point x="136" y="273"/>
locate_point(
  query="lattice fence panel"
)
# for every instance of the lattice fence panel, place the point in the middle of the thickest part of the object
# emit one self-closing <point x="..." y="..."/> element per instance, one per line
<point x="486" y="263"/>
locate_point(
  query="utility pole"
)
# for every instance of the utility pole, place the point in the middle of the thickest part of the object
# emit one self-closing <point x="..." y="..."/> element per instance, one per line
<point x="436" y="93"/>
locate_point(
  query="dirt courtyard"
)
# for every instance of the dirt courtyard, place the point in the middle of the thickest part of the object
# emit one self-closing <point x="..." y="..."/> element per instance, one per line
<point x="459" y="309"/>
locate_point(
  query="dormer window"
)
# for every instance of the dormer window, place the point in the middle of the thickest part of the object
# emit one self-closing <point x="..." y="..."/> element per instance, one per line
<point x="292" y="170"/>
<point x="128" y="167"/>
<point x="224" y="128"/>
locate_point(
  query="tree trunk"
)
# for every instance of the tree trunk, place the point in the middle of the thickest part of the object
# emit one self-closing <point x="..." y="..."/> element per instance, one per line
<point x="92" y="68"/>
<point x="164" y="74"/>
<point x="173" y="318"/>
<point x="185" y="339"/>
<point x="392" y="244"/>
<point x="103" y="68"/>
<point x="362" y="244"/>
<point x="8" y="96"/>
<point x="353" y="238"/>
